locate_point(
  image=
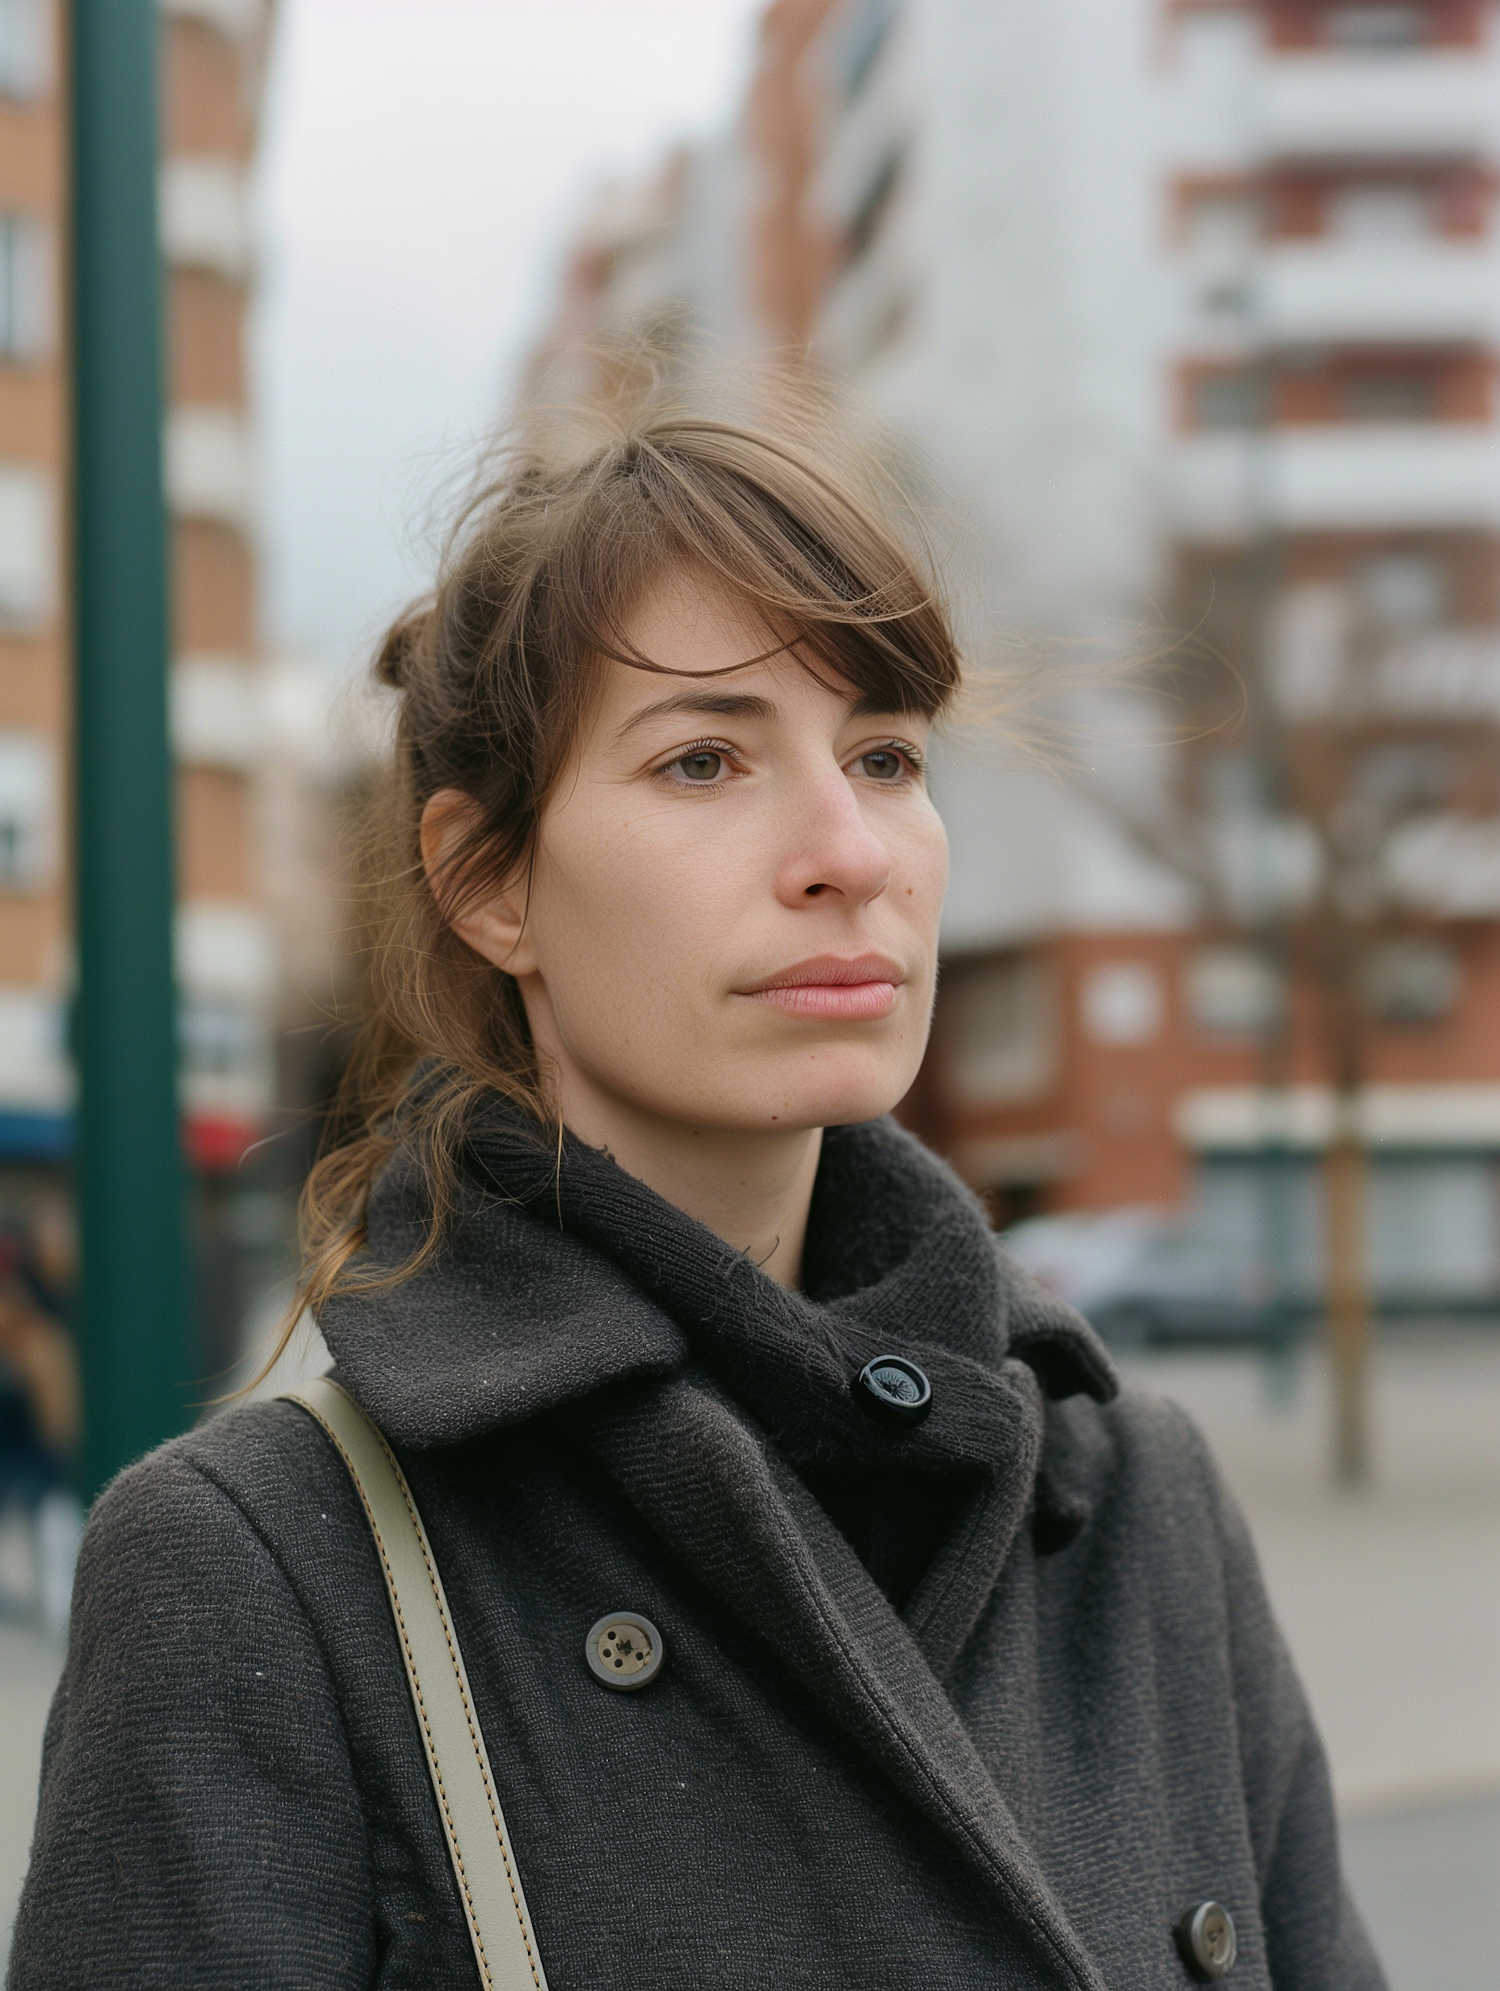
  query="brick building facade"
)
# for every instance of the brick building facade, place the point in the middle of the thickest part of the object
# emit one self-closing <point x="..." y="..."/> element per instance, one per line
<point x="213" y="53"/>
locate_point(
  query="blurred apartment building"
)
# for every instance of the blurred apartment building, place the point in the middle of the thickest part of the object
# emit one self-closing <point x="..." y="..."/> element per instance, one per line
<point x="718" y="255"/>
<point x="1191" y="311"/>
<point x="212" y="55"/>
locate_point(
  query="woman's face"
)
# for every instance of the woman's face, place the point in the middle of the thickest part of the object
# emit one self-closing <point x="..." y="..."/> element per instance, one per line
<point x="732" y="918"/>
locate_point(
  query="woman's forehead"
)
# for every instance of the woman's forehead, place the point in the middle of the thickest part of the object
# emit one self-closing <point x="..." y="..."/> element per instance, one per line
<point x="687" y="615"/>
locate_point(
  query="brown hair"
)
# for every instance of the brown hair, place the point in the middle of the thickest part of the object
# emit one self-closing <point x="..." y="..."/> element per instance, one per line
<point x="495" y="672"/>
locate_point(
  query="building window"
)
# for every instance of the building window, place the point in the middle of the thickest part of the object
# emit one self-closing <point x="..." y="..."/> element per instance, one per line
<point x="1234" y="992"/>
<point x="1226" y="303"/>
<point x="230" y="17"/>
<point x="28" y="793"/>
<point x="1215" y="42"/>
<point x="25" y="49"/>
<point x="999" y="1031"/>
<point x="1379" y="212"/>
<point x="35" y="1075"/>
<point x="218" y="713"/>
<point x="1308" y="385"/>
<point x="1406" y="394"/>
<point x="1221" y="224"/>
<point x="1412" y="982"/>
<point x="1376" y="27"/>
<point x="226" y="967"/>
<point x="1434" y="1240"/>
<point x="228" y="1063"/>
<point x="27" y="558"/>
<point x="1409" y="777"/>
<point x="209" y="465"/>
<point x="25" y="289"/>
<point x="1233" y="785"/>
<point x="1308" y="648"/>
<point x="867" y="32"/>
<point x="222" y="1038"/>
<point x="1402" y="591"/>
<point x="1122" y="1003"/>
<point x="205" y="217"/>
<point x="864" y="223"/>
<point x="1228" y="398"/>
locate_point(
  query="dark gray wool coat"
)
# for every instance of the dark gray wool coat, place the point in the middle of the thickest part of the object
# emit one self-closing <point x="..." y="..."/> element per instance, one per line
<point x="989" y="1704"/>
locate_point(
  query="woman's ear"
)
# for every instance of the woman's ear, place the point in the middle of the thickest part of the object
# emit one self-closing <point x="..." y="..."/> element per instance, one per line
<point x="494" y="924"/>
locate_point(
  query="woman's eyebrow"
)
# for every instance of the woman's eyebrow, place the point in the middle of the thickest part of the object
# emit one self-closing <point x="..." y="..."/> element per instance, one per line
<point x="721" y="704"/>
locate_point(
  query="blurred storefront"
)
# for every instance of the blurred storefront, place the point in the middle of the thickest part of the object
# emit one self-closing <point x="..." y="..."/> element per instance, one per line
<point x="1098" y="1071"/>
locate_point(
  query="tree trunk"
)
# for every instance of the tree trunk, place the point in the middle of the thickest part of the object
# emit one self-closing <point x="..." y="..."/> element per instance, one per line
<point x="1346" y="1178"/>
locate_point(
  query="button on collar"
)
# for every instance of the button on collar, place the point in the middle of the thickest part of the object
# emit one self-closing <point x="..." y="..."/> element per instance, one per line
<point x="893" y="1391"/>
<point x="1207" y="1941"/>
<point x="624" y="1651"/>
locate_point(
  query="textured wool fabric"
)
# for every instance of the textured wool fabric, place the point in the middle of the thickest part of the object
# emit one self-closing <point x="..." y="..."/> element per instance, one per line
<point x="921" y="1272"/>
<point x="1074" y="1721"/>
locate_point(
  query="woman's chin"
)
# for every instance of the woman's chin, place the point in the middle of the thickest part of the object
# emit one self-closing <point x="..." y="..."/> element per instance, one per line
<point x="831" y="1100"/>
<point x="836" y="1086"/>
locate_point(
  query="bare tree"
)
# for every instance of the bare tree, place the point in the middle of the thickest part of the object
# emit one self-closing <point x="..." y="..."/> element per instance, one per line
<point x="1329" y="757"/>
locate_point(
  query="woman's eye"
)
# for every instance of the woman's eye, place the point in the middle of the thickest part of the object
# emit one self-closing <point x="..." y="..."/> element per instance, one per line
<point x="883" y="764"/>
<point x="702" y="766"/>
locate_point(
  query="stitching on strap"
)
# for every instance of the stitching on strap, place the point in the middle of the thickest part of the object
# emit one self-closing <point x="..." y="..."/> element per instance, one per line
<point x="461" y="1683"/>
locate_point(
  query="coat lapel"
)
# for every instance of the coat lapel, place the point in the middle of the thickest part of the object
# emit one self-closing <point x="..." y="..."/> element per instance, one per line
<point x="706" y="1480"/>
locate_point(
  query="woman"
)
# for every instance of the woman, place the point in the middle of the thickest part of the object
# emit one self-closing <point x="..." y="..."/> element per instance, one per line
<point x="607" y="1250"/>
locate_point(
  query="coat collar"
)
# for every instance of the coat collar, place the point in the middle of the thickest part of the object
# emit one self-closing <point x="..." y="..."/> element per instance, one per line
<point x="550" y="1286"/>
<point x="508" y="1319"/>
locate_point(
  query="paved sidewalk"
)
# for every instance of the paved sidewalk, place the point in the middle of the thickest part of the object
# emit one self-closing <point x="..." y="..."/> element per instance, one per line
<point x="1428" y="1882"/>
<point x="1390" y="1597"/>
<point x="29" y="1665"/>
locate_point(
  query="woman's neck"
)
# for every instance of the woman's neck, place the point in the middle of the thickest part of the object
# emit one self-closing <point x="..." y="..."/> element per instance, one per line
<point x="753" y="1190"/>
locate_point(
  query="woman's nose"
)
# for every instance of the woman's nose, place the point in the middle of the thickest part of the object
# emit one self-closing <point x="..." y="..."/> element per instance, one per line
<point x="831" y="848"/>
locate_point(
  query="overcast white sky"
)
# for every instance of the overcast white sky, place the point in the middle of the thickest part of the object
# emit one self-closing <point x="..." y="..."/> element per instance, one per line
<point x="422" y="162"/>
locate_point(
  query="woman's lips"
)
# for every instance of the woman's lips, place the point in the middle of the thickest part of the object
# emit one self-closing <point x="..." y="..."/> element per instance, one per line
<point x="832" y="1001"/>
<point x="832" y="989"/>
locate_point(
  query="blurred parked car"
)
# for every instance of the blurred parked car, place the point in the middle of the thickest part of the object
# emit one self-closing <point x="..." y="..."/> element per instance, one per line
<point x="1145" y="1275"/>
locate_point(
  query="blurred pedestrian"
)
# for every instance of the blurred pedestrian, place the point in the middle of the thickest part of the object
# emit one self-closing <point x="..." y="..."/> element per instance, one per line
<point x="948" y="1662"/>
<point x="39" y="1429"/>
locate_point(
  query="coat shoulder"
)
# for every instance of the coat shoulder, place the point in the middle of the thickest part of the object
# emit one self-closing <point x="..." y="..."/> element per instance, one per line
<point x="1141" y="1460"/>
<point x="1136" y="1435"/>
<point x="256" y="1482"/>
<point x="249" y="1447"/>
<point x="200" y="1686"/>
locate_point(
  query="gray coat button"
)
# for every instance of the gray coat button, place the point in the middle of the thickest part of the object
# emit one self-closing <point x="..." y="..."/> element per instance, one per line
<point x="895" y="1392"/>
<point x="624" y="1651"/>
<point x="1207" y="1941"/>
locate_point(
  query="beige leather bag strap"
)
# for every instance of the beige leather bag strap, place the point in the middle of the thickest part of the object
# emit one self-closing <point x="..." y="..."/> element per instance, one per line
<point x="483" y="1862"/>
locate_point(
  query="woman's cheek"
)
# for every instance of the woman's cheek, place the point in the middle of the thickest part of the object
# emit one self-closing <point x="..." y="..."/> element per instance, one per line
<point x="644" y="931"/>
<point x="923" y="866"/>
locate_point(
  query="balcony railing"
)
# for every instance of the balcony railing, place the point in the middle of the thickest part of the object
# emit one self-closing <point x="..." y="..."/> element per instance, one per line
<point x="1429" y="104"/>
<point x="1355" y="477"/>
<point x="1322" y="291"/>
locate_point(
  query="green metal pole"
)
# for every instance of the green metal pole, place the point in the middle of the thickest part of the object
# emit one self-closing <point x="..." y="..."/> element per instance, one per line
<point x="129" y="1172"/>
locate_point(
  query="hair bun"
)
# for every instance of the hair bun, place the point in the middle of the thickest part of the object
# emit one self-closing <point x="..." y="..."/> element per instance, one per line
<point x="398" y="647"/>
